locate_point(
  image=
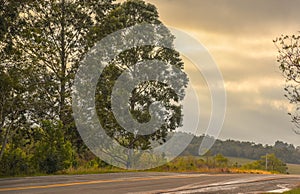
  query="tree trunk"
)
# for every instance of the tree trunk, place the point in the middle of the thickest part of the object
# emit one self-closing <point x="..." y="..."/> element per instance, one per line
<point x="129" y="159"/>
<point x="63" y="66"/>
<point x="4" y="143"/>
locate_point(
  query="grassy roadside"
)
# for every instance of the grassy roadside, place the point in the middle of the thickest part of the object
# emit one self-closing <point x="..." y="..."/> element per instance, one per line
<point x="82" y="171"/>
<point x="200" y="170"/>
<point x="179" y="165"/>
<point x="292" y="168"/>
<point x="294" y="191"/>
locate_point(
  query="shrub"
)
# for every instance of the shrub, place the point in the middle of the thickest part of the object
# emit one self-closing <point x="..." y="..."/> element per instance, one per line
<point x="15" y="162"/>
<point x="53" y="153"/>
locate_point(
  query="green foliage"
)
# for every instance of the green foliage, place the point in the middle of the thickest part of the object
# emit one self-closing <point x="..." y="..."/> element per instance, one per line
<point x="182" y="164"/>
<point x="13" y="102"/>
<point x="269" y="162"/>
<point x="54" y="37"/>
<point x="9" y="16"/>
<point x="41" y="45"/>
<point x="128" y="14"/>
<point x="216" y="163"/>
<point x="15" y="162"/>
<point x="97" y="163"/>
<point x="273" y="163"/>
<point x="230" y="148"/>
<point x="42" y="150"/>
<point x="53" y="152"/>
<point x="294" y="191"/>
<point x="221" y="161"/>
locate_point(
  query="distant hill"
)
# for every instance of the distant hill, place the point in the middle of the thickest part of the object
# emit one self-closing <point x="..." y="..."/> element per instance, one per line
<point x="232" y="148"/>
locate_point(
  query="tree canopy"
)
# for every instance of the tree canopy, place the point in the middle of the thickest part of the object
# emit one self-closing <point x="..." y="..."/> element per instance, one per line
<point x="41" y="46"/>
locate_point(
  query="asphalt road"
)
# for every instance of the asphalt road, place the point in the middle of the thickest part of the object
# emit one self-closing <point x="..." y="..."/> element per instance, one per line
<point x="150" y="183"/>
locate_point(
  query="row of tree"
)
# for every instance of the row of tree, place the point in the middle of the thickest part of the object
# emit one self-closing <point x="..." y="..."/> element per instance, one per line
<point x="41" y="46"/>
<point x="286" y="152"/>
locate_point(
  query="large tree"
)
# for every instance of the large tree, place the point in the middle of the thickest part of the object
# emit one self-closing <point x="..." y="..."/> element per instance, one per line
<point x="128" y="14"/>
<point x="52" y="37"/>
<point x="41" y="44"/>
<point x="13" y="92"/>
<point x="55" y="37"/>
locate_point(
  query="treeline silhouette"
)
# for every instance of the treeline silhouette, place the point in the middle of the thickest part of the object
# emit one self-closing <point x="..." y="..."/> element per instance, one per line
<point x="231" y="148"/>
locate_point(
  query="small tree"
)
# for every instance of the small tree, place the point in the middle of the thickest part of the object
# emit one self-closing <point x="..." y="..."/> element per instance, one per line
<point x="53" y="152"/>
<point x="289" y="60"/>
<point x="15" y="162"/>
<point x="268" y="162"/>
<point x="221" y="160"/>
<point x="273" y="163"/>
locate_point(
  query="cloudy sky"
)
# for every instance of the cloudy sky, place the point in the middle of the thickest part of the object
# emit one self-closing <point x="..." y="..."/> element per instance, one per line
<point x="238" y="34"/>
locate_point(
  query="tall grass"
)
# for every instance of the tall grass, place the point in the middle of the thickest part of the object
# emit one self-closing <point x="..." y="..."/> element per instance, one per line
<point x="180" y="164"/>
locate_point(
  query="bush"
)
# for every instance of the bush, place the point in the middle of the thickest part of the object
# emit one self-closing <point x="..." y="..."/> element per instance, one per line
<point x="15" y="162"/>
<point x="221" y="161"/>
<point x="53" y="153"/>
<point x="273" y="164"/>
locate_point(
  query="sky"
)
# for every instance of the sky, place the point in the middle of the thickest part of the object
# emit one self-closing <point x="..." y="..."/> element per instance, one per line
<point x="239" y="36"/>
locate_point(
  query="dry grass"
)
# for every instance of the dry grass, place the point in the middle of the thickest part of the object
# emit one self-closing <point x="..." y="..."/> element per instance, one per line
<point x="93" y="170"/>
<point x="294" y="168"/>
<point x="248" y="171"/>
<point x="181" y="165"/>
<point x="82" y="170"/>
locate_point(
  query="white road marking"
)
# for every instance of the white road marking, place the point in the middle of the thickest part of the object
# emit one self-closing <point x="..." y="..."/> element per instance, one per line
<point x="209" y="189"/>
<point x="283" y="188"/>
<point x="221" y="186"/>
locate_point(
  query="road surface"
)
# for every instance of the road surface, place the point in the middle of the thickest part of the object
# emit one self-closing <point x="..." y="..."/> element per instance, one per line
<point x="149" y="183"/>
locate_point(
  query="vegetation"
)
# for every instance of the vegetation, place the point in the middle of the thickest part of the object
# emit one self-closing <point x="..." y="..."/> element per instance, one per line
<point x="41" y="46"/>
<point x="268" y="163"/>
<point x="294" y="191"/>
<point x="288" y="153"/>
<point x="195" y="164"/>
<point x="221" y="164"/>
<point x="239" y="162"/>
<point x="144" y="94"/>
<point x="47" y="153"/>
